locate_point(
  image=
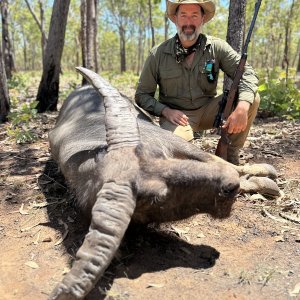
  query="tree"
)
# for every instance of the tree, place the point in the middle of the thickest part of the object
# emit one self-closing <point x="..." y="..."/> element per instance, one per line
<point x="166" y="20"/>
<point x="151" y="22"/>
<point x="235" y="31"/>
<point x="88" y="12"/>
<point x="288" y="31"/>
<point x="8" y="56"/>
<point x="41" y="25"/>
<point x="49" y="85"/>
<point x="4" y="98"/>
<point x="121" y="12"/>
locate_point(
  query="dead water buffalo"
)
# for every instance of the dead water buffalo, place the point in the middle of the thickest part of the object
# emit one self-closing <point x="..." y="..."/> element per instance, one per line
<point x="124" y="168"/>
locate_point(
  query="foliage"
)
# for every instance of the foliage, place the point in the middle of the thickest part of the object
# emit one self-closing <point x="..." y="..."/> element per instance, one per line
<point x="280" y="97"/>
<point x="266" y="47"/>
<point x="126" y="79"/>
<point x="20" y="119"/>
<point x="68" y="82"/>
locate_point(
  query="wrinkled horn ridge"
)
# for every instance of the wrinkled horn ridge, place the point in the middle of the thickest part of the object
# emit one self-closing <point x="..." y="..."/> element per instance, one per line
<point x="121" y="124"/>
<point x="111" y="215"/>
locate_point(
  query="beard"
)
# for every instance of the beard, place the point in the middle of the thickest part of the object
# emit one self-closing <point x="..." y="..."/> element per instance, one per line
<point x="188" y="32"/>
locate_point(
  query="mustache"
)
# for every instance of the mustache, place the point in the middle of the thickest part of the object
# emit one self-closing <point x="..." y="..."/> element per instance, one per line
<point x="184" y="27"/>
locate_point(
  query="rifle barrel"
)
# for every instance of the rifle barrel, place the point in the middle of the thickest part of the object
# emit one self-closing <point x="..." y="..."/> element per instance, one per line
<point x="257" y="6"/>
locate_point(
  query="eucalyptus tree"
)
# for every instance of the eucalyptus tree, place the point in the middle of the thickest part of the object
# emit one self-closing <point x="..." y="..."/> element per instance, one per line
<point x="119" y="14"/>
<point x="218" y="25"/>
<point x="270" y="34"/>
<point x="288" y="31"/>
<point x="49" y="85"/>
<point x="235" y="29"/>
<point x="4" y="97"/>
<point x="88" y="13"/>
<point x="26" y="36"/>
<point x="72" y="48"/>
<point x="40" y="21"/>
<point x="166" y="23"/>
<point x="142" y="25"/>
<point x="7" y="49"/>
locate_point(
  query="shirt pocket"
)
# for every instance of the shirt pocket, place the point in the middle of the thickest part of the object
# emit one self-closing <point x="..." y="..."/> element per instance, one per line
<point x="170" y="81"/>
<point x="208" y="88"/>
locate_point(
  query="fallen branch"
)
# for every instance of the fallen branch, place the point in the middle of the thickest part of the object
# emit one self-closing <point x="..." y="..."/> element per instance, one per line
<point x="290" y="218"/>
<point x="273" y="217"/>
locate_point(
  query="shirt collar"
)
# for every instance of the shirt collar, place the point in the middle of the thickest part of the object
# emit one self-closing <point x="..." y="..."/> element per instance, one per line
<point x="170" y="46"/>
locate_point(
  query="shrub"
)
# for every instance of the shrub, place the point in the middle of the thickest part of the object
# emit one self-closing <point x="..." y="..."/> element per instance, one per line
<point x="20" y="118"/>
<point x="280" y="97"/>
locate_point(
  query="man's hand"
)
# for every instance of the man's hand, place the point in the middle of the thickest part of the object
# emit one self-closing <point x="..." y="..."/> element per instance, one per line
<point x="238" y="119"/>
<point x="175" y="116"/>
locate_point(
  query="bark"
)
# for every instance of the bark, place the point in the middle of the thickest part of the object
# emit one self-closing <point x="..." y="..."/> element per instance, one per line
<point x="49" y="85"/>
<point x="151" y="23"/>
<point x="40" y="23"/>
<point x="285" y="61"/>
<point x="141" y="32"/>
<point x="296" y="54"/>
<point x="83" y="34"/>
<point x="95" y="25"/>
<point x="90" y="36"/>
<point x="6" y="41"/>
<point x="24" y="48"/>
<point x="4" y="98"/>
<point x="44" y="38"/>
<point x="88" y="11"/>
<point x="235" y="31"/>
<point x="122" y="48"/>
<point x="166" y="24"/>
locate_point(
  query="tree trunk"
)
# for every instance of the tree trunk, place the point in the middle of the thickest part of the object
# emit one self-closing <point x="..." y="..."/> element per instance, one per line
<point x="88" y="11"/>
<point x="166" y="25"/>
<point x="90" y="34"/>
<point x="49" y="85"/>
<point x="288" y="31"/>
<point x="83" y="31"/>
<point x="235" y="31"/>
<point x="44" y="38"/>
<point x="296" y="54"/>
<point x="122" y="49"/>
<point x="24" y="48"/>
<point x="40" y="23"/>
<point x="140" y="40"/>
<point x="6" y="41"/>
<point x="298" y="67"/>
<point x="151" y="22"/>
<point x="4" y="98"/>
<point x="95" y="46"/>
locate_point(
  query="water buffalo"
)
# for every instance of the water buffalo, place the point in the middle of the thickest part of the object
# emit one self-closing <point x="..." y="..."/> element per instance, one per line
<point x="125" y="169"/>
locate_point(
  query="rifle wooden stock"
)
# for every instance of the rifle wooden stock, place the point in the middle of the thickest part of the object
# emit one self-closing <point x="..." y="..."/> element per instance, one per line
<point x="222" y="147"/>
<point x="224" y="140"/>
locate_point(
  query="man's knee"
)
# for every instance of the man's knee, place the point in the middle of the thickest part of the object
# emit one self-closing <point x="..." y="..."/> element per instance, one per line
<point x="185" y="132"/>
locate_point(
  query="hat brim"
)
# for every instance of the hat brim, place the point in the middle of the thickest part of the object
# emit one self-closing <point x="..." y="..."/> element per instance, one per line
<point x="208" y="7"/>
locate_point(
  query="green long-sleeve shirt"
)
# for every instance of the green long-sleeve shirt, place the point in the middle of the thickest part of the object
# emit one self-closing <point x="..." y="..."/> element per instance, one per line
<point x="188" y="88"/>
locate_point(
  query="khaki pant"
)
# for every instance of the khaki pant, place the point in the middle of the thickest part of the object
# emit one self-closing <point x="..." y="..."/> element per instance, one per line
<point x="203" y="119"/>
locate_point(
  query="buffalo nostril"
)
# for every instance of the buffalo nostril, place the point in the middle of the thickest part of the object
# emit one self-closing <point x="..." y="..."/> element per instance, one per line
<point x="230" y="190"/>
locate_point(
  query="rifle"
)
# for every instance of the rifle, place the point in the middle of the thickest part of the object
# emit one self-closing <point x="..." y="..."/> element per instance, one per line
<point x="227" y="102"/>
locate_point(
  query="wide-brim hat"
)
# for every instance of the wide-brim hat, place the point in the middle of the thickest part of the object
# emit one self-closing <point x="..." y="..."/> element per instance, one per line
<point x="208" y="7"/>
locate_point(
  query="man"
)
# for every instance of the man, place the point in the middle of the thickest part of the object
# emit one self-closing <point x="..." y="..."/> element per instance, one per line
<point x="186" y="69"/>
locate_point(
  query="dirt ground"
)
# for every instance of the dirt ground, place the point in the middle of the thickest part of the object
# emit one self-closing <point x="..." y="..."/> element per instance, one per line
<point x="254" y="254"/>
